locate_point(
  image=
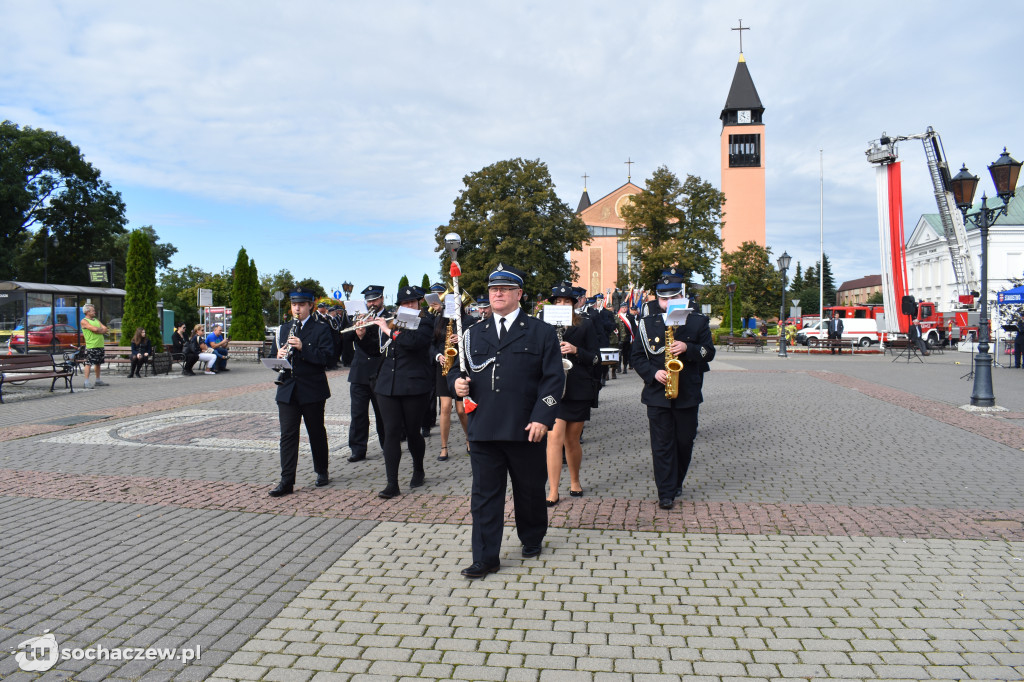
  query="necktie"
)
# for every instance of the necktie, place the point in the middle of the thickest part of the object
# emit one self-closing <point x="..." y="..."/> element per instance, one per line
<point x="501" y="328"/>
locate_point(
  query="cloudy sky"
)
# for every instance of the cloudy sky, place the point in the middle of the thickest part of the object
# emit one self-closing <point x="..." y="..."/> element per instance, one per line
<point x="331" y="138"/>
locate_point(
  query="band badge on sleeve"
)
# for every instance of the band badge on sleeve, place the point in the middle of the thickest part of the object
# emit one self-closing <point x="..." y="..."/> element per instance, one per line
<point x="703" y="351"/>
<point x="549" y="401"/>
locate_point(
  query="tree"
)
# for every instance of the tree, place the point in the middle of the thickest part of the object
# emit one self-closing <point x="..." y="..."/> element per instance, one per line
<point x="179" y="290"/>
<point x="314" y="286"/>
<point x="758" y="284"/>
<point x="56" y="214"/>
<point x="674" y="224"/>
<point x="246" y="312"/>
<point x="403" y="283"/>
<point x="426" y="281"/>
<point x="509" y="212"/>
<point x="797" y="282"/>
<point x="140" y="292"/>
<point x="282" y="281"/>
<point x="162" y="253"/>
<point x="876" y="298"/>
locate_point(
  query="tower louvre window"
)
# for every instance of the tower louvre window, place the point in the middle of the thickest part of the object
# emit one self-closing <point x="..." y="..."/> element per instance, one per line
<point x="744" y="151"/>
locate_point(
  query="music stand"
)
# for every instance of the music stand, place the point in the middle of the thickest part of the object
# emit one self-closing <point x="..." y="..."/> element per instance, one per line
<point x="1007" y="328"/>
<point x="910" y="350"/>
<point x="970" y="375"/>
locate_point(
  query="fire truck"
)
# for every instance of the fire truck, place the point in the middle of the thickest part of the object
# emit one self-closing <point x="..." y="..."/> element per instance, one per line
<point x="935" y="326"/>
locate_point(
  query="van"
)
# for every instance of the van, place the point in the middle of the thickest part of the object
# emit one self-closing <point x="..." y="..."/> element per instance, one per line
<point x="862" y="332"/>
<point x="39" y="317"/>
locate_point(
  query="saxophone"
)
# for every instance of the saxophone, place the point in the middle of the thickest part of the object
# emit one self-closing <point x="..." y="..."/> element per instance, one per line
<point x="450" y="351"/>
<point x="673" y="365"/>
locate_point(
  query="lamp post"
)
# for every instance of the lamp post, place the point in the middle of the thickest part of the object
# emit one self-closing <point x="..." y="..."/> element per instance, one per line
<point x="730" y="288"/>
<point x="347" y="288"/>
<point x="1004" y="172"/>
<point x="783" y="262"/>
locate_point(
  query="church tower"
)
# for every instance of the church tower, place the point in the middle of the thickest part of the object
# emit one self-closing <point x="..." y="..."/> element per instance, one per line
<point x="743" y="162"/>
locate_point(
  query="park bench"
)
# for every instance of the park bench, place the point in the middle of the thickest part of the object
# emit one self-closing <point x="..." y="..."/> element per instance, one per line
<point x="838" y="344"/>
<point x="14" y="369"/>
<point x="735" y="342"/>
<point x="248" y="350"/>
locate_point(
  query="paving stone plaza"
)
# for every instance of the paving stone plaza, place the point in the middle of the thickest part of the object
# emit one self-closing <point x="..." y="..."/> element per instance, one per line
<point x="843" y="518"/>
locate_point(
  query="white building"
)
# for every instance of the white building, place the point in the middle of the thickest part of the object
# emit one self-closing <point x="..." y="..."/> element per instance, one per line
<point x="930" y="272"/>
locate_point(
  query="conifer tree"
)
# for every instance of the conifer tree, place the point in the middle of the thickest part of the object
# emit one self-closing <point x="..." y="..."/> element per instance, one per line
<point x="140" y="292"/>
<point x="246" y="316"/>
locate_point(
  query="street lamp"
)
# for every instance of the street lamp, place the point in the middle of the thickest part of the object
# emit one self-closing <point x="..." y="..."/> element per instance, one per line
<point x="347" y="288"/>
<point x="730" y="289"/>
<point x="783" y="262"/>
<point x="1004" y="172"/>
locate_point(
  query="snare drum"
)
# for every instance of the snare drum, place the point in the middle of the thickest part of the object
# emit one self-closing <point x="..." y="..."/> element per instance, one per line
<point x="609" y="356"/>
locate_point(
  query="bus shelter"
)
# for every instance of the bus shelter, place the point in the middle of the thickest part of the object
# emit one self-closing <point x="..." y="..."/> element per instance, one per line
<point x="47" y="318"/>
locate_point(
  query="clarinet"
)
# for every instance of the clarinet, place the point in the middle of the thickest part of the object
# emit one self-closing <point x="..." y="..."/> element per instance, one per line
<point x="285" y="374"/>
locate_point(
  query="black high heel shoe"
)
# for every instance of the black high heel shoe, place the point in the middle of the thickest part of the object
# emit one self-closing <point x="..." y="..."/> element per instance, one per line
<point x="552" y="503"/>
<point x="576" y="493"/>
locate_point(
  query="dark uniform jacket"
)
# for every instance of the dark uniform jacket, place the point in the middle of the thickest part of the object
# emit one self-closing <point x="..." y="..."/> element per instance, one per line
<point x="406" y="367"/>
<point x="606" y="322"/>
<point x="648" y="357"/>
<point x="580" y="383"/>
<point x="522" y="384"/>
<point x="364" y="368"/>
<point x="308" y="379"/>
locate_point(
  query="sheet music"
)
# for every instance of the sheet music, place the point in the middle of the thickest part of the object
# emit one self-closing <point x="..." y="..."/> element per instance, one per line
<point x="558" y="315"/>
<point x="356" y="307"/>
<point x="451" y="307"/>
<point x="276" y="363"/>
<point x="677" y="313"/>
<point x="407" y="318"/>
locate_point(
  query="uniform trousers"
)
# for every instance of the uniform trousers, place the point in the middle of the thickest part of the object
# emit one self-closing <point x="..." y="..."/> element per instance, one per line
<point x="361" y="397"/>
<point x="494" y="462"/>
<point x="290" y="414"/>
<point x="403" y="414"/>
<point x="672" y="434"/>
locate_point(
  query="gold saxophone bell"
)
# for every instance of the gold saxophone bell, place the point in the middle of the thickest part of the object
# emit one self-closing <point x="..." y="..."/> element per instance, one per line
<point x="450" y="351"/>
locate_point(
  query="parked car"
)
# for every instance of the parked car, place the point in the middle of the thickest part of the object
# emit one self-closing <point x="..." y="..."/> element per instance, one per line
<point x="45" y="337"/>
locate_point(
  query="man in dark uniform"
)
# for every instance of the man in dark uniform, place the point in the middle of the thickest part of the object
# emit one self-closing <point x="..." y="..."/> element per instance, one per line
<point x="334" y="322"/>
<point x="1018" y="342"/>
<point x="673" y="422"/>
<point x="484" y="306"/>
<point x="516" y="380"/>
<point x="835" y="331"/>
<point x="360" y="387"/>
<point x="302" y="391"/>
<point x="627" y="332"/>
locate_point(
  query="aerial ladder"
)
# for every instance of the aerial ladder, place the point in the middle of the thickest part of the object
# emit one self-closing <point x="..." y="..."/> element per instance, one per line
<point x="883" y="151"/>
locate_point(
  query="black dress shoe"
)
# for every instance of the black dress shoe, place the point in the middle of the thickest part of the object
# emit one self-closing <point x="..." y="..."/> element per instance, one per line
<point x="417" y="479"/>
<point x="530" y="551"/>
<point x="479" y="569"/>
<point x="552" y="503"/>
<point x="576" y="493"/>
<point x="322" y="480"/>
<point x="666" y="503"/>
<point x="280" y="490"/>
<point x="357" y="458"/>
<point x="389" y="493"/>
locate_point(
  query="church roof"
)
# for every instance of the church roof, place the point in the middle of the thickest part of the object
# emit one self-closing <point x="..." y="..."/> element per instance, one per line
<point x="742" y="93"/>
<point x="584" y="202"/>
<point x="605" y="211"/>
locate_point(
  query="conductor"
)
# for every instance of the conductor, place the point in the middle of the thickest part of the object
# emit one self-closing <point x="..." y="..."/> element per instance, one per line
<point x="516" y="379"/>
<point x="303" y="390"/>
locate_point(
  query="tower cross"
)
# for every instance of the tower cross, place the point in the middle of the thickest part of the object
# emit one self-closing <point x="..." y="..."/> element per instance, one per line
<point x="741" y="29"/>
<point x="629" y="168"/>
<point x="584" y="176"/>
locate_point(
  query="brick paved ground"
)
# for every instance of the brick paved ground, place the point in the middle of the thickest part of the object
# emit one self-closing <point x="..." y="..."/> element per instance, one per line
<point x="843" y="519"/>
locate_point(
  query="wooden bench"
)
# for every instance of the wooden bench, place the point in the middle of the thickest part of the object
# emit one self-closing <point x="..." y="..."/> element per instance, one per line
<point x="15" y="369"/>
<point x="837" y="344"/>
<point x="735" y="342"/>
<point x="122" y="355"/>
<point x="249" y="350"/>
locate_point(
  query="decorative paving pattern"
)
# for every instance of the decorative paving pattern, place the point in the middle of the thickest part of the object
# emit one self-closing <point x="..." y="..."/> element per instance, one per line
<point x="624" y="606"/>
<point x="591" y="513"/>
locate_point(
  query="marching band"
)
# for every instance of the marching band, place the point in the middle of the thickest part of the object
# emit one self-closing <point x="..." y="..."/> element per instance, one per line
<point x="523" y="389"/>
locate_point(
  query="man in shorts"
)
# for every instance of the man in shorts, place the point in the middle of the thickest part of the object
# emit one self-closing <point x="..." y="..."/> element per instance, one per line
<point x="93" y="331"/>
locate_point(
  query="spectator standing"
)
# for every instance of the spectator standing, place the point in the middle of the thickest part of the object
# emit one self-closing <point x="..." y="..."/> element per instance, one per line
<point x="93" y="331"/>
<point x="1018" y="343"/>
<point x="142" y="352"/>
<point x="835" y="332"/>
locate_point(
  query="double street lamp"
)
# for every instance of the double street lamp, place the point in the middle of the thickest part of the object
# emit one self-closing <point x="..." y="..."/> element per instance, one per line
<point x="347" y="288"/>
<point x="1004" y="172"/>
<point x="783" y="262"/>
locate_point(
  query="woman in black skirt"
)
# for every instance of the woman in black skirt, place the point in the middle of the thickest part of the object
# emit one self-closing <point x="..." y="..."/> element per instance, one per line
<point x="402" y="387"/>
<point x="441" y="338"/>
<point x="581" y="347"/>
